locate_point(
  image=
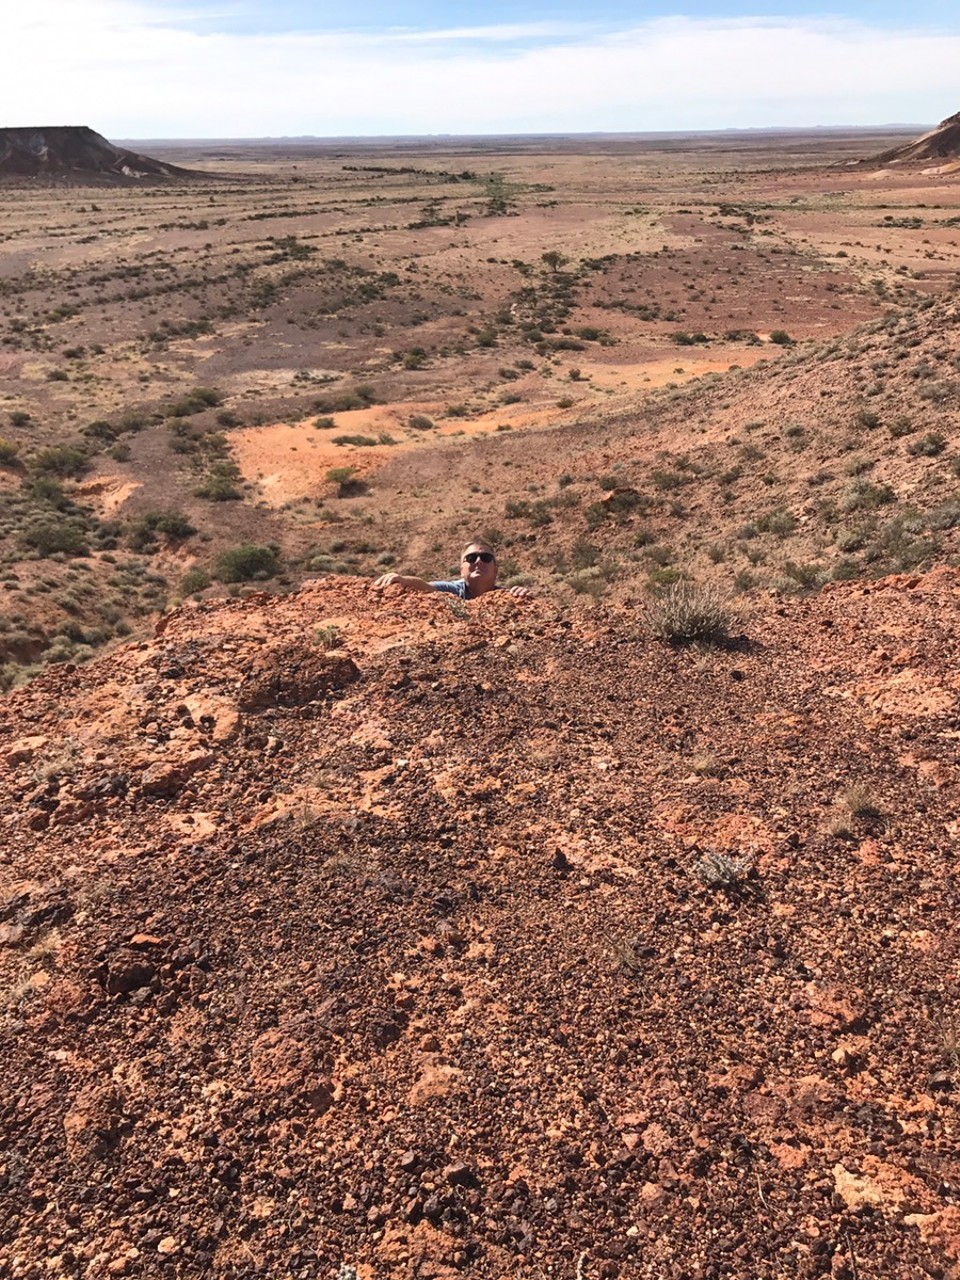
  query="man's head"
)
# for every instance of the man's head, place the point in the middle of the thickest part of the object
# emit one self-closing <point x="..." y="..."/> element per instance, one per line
<point x="478" y="567"/>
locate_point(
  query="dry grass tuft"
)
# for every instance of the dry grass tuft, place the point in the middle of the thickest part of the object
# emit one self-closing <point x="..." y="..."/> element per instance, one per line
<point x="706" y="765"/>
<point x="860" y="802"/>
<point x="856" y="803"/>
<point x="687" y="612"/>
<point x="626" y="954"/>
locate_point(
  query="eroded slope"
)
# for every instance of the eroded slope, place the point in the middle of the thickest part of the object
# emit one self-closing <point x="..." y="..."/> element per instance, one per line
<point x="347" y="929"/>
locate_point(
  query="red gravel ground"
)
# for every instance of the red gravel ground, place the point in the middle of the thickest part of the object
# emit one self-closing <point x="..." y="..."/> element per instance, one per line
<point x="394" y="955"/>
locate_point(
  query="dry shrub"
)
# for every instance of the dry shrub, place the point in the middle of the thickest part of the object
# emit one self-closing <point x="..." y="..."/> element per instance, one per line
<point x="686" y="611"/>
<point x="718" y="871"/>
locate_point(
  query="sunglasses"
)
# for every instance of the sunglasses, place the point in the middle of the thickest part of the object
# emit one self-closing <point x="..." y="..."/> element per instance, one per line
<point x="486" y="557"/>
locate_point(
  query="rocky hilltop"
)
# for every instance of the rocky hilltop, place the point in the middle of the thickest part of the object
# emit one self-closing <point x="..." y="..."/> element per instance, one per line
<point x="941" y="143"/>
<point x="76" y="152"/>
<point x="433" y="940"/>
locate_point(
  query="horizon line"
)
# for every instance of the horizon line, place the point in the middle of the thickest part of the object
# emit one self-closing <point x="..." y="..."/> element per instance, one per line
<point x="454" y="137"/>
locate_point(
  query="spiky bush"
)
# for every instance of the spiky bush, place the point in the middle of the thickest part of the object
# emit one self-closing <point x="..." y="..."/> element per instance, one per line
<point x="719" y="871"/>
<point x="685" y="612"/>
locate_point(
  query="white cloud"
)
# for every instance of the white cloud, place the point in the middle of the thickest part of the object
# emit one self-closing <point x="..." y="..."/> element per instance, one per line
<point x="139" y="70"/>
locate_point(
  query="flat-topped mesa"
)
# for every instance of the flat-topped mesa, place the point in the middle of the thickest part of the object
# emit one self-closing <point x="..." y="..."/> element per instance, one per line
<point x="941" y="143"/>
<point x="76" y="152"/>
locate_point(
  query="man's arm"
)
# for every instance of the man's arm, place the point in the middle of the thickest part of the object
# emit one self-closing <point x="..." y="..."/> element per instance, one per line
<point x="406" y="582"/>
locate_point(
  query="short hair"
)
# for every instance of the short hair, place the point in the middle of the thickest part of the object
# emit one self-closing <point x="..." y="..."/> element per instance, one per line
<point x="483" y="544"/>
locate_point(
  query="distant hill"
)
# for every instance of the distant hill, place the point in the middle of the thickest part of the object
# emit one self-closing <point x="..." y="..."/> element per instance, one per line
<point x="941" y="143"/>
<point x="76" y="151"/>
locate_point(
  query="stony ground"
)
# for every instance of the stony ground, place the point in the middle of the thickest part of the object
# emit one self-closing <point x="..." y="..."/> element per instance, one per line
<point x="488" y="940"/>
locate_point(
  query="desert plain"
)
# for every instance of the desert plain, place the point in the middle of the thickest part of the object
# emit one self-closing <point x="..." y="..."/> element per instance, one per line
<point x="358" y="357"/>
<point x="356" y="934"/>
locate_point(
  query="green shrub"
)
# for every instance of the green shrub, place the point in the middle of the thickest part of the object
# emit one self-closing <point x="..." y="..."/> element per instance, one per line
<point x="362" y="442"/>
<point x="349" y="484"/>
<point x="361" y="397"/>
<point x="665" y="576"/>
<point x="246" y="563"/>
<point x="781" y="338"/>
<point x="60" y="460"/>
<point x="689" y="339"/>
<point x="194" y="580"/>
<point x="8" y="452"/>
<point x="864" y="496"/>
<point x="171" y="524"/>
<point x="624" y="501"/>
<point x="221" y="485"/>
<point x="667" y="481"/>
<point x="718" y="871"/>
<point x="46" y="489"/>
<point x="538" y="513"/>
<point x="807" y="576"/>
<point x="20" y="418"/>
<point x="101" y="430"/>
<point x="327" y="637"/>
<point x="845" y="569"/>
<point x="194" y="401"/>
<point x="47" y="537"/>
<point x="779" y="522"/>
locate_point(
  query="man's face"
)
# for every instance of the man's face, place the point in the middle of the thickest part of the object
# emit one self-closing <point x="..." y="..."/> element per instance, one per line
<point x="478" y="567"/>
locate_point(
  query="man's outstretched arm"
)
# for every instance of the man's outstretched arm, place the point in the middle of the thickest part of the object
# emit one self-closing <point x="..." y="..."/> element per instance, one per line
<point x="403" y="580"/>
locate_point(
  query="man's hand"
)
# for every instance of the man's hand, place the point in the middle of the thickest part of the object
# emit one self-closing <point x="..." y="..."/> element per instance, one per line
<point x="405" y="581"/>
<point x="521" y="593"/>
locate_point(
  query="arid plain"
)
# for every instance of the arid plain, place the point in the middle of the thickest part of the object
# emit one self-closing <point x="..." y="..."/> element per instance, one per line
<point x="356" y="356"/>
<point x="362" y="935"/>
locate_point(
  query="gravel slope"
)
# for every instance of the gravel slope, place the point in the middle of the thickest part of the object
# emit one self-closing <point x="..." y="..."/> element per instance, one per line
<point x="396" y="954"/>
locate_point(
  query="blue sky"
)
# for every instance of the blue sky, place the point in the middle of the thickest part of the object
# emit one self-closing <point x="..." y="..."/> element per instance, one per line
<point x="254" y="16"/>
<point x="241" y="68"/>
